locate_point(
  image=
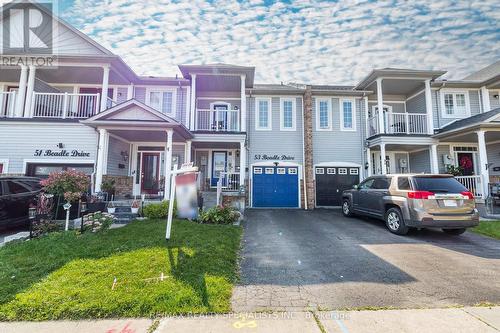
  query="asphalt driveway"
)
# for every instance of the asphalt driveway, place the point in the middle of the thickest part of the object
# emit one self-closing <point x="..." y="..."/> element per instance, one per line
<point x="295" y="259"/>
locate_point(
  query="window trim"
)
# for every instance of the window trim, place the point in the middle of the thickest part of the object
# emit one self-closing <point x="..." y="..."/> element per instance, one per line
<point x="173" y="90"/>
<point x="455" y="92"/>
<point x="341" y="109"/>
<point x="329" y="112"/>
<point x="294" y="114"/>
<point x="269" y="114"/>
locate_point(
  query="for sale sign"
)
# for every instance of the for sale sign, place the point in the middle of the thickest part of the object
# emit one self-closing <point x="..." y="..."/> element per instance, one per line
<point x="187" y="195"/>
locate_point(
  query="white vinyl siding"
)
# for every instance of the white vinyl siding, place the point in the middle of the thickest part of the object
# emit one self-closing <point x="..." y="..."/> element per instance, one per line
<point x="455" y="104"/>
<point x="288" y="114"/>
<point x="263" y="114"/>
<point x="323" y="114"/>
<point x="163" y="101"/>
<point x="347" y="115"/>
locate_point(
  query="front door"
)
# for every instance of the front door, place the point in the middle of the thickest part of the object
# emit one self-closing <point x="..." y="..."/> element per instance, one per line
<point x="466" y="162"/>
<point x="219" y="165"/>
<point x="150" y="173"/>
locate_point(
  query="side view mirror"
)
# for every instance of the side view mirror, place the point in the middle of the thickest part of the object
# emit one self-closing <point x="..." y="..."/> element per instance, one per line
<point x="355" y="187"/>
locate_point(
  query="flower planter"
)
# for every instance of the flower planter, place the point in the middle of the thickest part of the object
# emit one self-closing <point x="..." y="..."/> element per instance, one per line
<point x="135" y="210"/>
<point x="111" y="210"/>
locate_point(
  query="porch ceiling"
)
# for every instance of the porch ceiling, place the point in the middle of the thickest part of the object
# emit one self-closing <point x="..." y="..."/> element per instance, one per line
<point x="398" y="147"/>
<point x="471" y="136"/>
<point x="145" y="135"/>
<point x="216" y="145"/>
<point x="398" y="86"/>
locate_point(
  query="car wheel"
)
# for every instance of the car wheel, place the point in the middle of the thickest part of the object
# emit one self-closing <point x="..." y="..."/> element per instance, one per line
<point x="346" y="208"/>
<point x="454" y="232"/>
<point x="395" y="222"/>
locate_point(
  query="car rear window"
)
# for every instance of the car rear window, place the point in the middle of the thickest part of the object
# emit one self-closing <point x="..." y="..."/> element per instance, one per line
<point x="438" y="185"/>
<point x="403" y="183"/>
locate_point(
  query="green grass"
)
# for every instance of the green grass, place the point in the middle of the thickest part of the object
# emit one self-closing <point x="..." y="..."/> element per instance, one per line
<point x="488" y="228"/>
<point x="70" y="276"/>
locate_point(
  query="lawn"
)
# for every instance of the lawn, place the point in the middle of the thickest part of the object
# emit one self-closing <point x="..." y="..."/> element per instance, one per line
<point x="488" y="228"/>
<point x="65" y="275"/>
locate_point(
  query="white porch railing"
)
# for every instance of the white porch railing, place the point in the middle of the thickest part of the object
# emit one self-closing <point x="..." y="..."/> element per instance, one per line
<point x="399" y="123"/>
<point x="64" y="105"/>
<point x="230" y="181"/>
<point x="472" y="183"/>
<point x="7" y="103"/>
<point x="217" y="120"/>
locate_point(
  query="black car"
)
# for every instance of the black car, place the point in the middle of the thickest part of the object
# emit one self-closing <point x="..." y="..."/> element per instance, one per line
<point x="16" y="195"/>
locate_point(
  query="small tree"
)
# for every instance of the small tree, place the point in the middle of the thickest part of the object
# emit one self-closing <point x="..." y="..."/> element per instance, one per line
<point x="69" y="184"/>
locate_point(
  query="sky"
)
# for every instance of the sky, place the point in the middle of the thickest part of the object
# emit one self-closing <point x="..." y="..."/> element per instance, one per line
<point x="320" y="42"/>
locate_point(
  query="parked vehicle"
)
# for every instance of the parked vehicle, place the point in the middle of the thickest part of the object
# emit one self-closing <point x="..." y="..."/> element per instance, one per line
<point x="16" y="194"/>
<point x="406" y="201"/>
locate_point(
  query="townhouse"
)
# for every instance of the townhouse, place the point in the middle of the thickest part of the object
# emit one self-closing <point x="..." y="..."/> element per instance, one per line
<point x="278" y="145"/>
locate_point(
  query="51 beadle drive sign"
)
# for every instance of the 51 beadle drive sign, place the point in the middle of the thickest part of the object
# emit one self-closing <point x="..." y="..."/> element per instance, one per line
<point x="60" y="153"/>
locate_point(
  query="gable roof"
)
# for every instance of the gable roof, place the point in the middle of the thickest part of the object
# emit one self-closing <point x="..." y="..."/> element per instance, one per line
<point x="220" y="69"/>
<point x="485" y="73"/>
<point x="486" y="117"/>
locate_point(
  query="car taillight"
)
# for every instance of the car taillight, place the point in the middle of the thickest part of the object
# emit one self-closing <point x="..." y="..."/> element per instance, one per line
<point x="419" y="194"/>
<point x="467" y="194"/>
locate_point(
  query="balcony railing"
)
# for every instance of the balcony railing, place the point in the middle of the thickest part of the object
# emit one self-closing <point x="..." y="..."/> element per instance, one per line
<point x="7" y="103"/>
<point x="472" y="183"/>
<point x="217" y="120"/>
<point x="64" y="105"/>
<point x="399" y="123"/>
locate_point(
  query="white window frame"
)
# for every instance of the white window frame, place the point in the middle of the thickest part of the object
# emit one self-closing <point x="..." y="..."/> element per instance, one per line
<point x="320" y="171"/>
<point x="269" y="126"/>
<point x="455" y="92"/>
<point x="294" y="114"/>
<point x="318" y="121"/>
<point x="5" y="163"/>
<point x="257" y="171"/>
<point x="341" y="109"/>
<point x="150" y="90"/>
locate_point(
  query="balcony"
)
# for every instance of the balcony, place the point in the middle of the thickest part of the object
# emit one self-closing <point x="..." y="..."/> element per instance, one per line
<point x="217" y="120"/>
<point x="399" y="123"/>
<point x="7" y="104"/>
<point x="64" y="105"/>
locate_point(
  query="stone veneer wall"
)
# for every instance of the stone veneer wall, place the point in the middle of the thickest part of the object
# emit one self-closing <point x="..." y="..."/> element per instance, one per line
<point x="308" y="148"/>
<point x="123" y="184"/>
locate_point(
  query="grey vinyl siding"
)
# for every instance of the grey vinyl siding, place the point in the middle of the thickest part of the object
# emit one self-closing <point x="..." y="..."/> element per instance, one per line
<point x="398" y="157"/>
<point x="436" y="109"/>
<point x="441" y="151"/>
<point x="121" y="96"/>
<point x="474" y="105"/>
<point x="115" y="157"/>
<point x="494" y="102"/>
<point x="204" y="102"/>
<point x="396" y="107"/>
<point x="420" y="161"/>
<point x="177" y="152"/>
<point x="337" y="145"/>
<point x="416" y="104"/>
<point x="140" y="94"/>
<point x="18" y="142"/>
<point x="275" y="142"/>
<point x="493" y="152"/>
<point x="181" y="106"/>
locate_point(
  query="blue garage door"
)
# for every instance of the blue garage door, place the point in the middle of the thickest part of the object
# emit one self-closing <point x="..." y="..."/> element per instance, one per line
<point x="275" y="187"/>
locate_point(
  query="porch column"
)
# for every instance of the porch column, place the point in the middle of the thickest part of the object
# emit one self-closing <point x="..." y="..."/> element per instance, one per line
<point x="428" y="107"/>
<point x="187" y="152"/>
<point x="380" y="105"/>
<point x="168" y="164"/>
<point x="130" y="91"/>
<point x="243" y="112"/>
<point x="369" y="162"/>
<point x="243" y="162"/>
<point x="367" y="127"/>
<point x="382" y="159"/>
<point x="22" y="91"/>
<point x="192" y="114"/>
<point x="483" y="163"/>
<point x="485" y="99"/>
<point x="29" y="91"/>
<point x="104" y="90"/>
<point x="434" y="159"/>
<point x="101" y="156"/>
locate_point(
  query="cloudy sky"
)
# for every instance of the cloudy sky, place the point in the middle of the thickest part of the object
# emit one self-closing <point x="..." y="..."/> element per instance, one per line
<point x="302" y="41"/>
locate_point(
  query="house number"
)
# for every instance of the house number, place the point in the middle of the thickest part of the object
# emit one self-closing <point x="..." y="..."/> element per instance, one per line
<point x="60" y="153"/>
<point x="274" y="157"/>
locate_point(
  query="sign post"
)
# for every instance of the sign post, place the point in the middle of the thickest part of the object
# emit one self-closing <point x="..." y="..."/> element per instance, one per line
<point x="183" y="200"/>
<point x="66" y="207"/>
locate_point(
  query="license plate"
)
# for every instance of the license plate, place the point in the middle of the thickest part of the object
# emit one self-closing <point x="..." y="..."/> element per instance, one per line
<point x="450" y="203"/>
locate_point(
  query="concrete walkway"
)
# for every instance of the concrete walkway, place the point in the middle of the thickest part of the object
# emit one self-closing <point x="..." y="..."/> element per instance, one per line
<point x="469" y="319"/>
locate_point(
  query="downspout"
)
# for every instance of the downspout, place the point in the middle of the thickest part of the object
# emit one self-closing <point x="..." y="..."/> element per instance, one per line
<point x="363" y="136"/>
<point x="304" y="182"/>
<point x="438" y="103"/>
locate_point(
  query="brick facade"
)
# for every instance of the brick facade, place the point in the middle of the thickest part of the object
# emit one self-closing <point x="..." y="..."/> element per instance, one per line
<point x="308" y="148"/>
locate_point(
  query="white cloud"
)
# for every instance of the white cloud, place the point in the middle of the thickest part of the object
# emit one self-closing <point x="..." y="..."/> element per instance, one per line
<point x="307" y="41"/>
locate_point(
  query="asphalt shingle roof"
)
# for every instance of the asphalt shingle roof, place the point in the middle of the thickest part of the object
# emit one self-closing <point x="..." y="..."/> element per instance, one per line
<point x="478" y="118"/>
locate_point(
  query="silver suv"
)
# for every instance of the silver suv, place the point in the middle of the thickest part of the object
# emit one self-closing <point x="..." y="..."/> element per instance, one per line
<point x="406" y="201"/>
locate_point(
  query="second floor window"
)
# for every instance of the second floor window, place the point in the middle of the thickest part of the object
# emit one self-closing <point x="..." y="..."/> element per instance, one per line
<point x="455" y="104"/>
<point x="263" y="121"/>
<point x="347" y="113"/>
<point x="163" y="101"/>
<point x="323" y="114"/>
<point x="288" y="113"/>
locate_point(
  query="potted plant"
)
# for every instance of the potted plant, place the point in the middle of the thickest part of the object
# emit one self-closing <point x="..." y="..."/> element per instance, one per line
<point x="108" y="186"/>
<point x="135" y="207"/>
<point x="111" y="207"/>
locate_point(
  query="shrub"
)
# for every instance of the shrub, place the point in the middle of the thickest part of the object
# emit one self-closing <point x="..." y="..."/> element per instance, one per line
<point x="219" y="215"/>
<point x="71" y="184"/>
<point x="157" y="210"/>
<point x="97" y="221"/>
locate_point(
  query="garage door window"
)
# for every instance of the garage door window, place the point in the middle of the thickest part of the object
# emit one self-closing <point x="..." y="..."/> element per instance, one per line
<point x="269" y="171"/>
<point x="330" y="171"/>
<point x="320" y="171"/>
<point x="281" y="171"/>
<point x="353" y="171"/>
<point x="257" y="171"/>
<point x="342" y="171"/>
<point x="292" y="171"/>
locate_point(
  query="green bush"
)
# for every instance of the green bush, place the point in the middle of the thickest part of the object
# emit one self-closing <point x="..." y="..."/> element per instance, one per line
<point x="157" y="210"/>
<point x="219" y="215"/>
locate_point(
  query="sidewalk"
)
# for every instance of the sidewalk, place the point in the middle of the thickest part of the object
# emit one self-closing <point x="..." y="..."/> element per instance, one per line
<point x="470" y="319"/>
